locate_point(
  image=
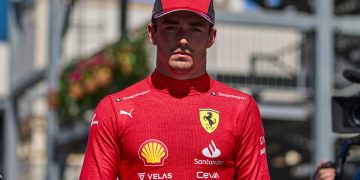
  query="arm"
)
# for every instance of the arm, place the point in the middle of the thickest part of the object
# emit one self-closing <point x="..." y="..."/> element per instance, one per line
<point x="251" y="162"/>
<point x="325" y="173"/>
<point x="102" y="153"/>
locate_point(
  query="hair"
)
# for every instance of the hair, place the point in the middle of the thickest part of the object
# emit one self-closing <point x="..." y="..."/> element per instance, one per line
<point x="154" y="22"/>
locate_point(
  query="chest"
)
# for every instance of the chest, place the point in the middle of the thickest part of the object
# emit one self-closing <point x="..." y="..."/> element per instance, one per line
<point x="170" y="130"/>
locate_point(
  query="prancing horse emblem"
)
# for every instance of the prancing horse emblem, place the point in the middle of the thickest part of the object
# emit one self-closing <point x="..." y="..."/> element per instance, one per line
<point x="209" y="119"/>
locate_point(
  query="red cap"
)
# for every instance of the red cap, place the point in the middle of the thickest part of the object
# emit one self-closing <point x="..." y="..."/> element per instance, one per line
<point x="204" y="8"/>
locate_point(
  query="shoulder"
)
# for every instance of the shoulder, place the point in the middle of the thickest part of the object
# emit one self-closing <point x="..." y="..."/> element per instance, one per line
<point x="110" y="105"/>
<point x="110" y="101"/>
<point x="226" y="92"/>
<point x="138" y="89"/>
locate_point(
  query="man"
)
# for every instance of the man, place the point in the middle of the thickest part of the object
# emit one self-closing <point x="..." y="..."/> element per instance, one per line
<point x="178" y="123"/>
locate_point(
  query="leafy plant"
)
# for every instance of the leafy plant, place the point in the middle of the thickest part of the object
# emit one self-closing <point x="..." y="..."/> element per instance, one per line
<point x="84" y="82"/>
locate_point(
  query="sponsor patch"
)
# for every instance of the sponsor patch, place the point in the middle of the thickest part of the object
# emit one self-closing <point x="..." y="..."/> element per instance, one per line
<point x="262" y="151"/>
<point x="141" y="175"/>
<point x="150" y="176"/>
<point x="208" y="162"/>
<point x="207" y="175"/>
<point x="209" y="119"/>
<point x="93" y="121"/>
<point x="153" y="152"/>
<point x="211" y="151"/>
<point x="231" y="96"/>
<point x="262" y="140"/>
<point x="135" y="95"/>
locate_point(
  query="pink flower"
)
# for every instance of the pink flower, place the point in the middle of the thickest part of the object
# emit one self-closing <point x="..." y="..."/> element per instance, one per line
<point x="81" y="65"/>
<point x="97" y="60"/>
<point x="75" y="76"/>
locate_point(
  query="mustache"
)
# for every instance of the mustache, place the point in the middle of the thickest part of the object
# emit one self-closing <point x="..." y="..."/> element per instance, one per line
<point x="182" y="49"/>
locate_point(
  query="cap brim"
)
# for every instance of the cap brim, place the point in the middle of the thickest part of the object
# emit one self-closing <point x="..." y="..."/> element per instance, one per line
<point x="205" y="16"/>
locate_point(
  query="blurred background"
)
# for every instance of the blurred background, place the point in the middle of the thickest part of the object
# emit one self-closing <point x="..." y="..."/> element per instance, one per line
<point x="59" y="57"/>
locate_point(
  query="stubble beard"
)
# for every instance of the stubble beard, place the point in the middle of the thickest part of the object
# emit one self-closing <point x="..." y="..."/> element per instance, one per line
<point x="181" y="65"/>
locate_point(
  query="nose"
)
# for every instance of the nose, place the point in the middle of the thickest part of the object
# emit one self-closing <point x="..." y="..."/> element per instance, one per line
<point x="183" y="40"/>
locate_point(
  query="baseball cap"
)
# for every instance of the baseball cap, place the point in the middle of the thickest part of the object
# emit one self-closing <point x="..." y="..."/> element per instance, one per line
<point x="204" y="8"/>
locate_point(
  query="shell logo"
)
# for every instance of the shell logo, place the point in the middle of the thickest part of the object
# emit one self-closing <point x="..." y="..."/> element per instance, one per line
<point x="153" y="152"/>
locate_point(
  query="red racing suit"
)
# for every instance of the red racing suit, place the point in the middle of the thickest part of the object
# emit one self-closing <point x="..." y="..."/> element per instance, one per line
<point x="161" y="128"/>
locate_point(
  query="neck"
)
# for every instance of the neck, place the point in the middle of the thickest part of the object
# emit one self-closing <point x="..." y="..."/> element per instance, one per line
<point x="181" y="75"/>
<point x="181" y="88"/>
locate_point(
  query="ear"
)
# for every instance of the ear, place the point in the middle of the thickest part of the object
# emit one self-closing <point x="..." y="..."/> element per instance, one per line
<point x="212" y="36"/>
<point x="151" y="33"/>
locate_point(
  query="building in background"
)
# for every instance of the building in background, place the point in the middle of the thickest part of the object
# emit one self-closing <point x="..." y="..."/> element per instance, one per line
<point x="258" y="50"/>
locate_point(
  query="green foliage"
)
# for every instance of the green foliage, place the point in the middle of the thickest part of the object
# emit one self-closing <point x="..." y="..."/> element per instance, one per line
<point x="84" y="82"/>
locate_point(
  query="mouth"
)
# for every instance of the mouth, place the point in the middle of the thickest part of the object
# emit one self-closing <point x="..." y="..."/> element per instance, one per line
<point x="183" y="53"/>
<point x="181" y="56"/>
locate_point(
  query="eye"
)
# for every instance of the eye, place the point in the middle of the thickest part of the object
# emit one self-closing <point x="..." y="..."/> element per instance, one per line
<point x="196" y="29"/>
<point x="171" y="28"/>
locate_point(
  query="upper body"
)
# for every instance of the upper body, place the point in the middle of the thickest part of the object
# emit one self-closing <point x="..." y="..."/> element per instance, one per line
<point x="202" y="128"/>
<point x="178" y="123"/>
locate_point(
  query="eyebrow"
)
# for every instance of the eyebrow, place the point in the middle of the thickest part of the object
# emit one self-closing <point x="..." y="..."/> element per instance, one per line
<point x="198" y="23"/>
<point x="174" y="22"/>
<point x="169" y="21"/>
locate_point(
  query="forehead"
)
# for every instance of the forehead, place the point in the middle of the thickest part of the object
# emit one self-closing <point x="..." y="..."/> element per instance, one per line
<point x="183" y="16"/>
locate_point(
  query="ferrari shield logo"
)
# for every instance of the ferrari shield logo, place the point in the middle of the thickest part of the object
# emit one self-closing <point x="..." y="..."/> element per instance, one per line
<point x="209" y="119"/>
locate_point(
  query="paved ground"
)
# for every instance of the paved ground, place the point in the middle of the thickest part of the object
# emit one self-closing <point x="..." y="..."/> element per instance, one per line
<point x="27" y="171"/>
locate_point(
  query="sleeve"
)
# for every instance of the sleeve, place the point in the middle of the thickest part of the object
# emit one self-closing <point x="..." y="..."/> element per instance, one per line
<point x="102" y="153"/>
<point x="251" y="162"/>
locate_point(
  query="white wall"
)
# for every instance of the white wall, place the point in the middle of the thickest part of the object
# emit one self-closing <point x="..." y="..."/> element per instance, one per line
<point x="4" y="69"/>
<point x="41" y="34"/>
<point x="235" y="45"/>
<point x="95" y="24"/>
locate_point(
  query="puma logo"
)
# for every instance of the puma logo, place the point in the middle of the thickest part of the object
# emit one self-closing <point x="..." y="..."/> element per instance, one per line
<point x="127" y="113"/>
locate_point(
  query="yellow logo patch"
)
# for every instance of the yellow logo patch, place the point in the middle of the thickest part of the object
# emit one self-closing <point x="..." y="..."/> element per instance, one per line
<point x="153" y="152"/>
<point x="209" y="119"/>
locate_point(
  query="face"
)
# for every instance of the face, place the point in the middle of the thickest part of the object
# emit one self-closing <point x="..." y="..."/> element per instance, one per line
<point x="182" y="39"/>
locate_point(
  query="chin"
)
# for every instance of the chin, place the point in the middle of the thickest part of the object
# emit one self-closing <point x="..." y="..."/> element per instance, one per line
<point x="182" y="67"/>
<point x="181" y="70"/>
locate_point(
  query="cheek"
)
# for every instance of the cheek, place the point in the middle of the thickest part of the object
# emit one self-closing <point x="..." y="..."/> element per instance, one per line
<point x="165" y="36"/>
<point x="200" y="40"/>
<point x="200" y="44"/>
<point x="166" y="42"/>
